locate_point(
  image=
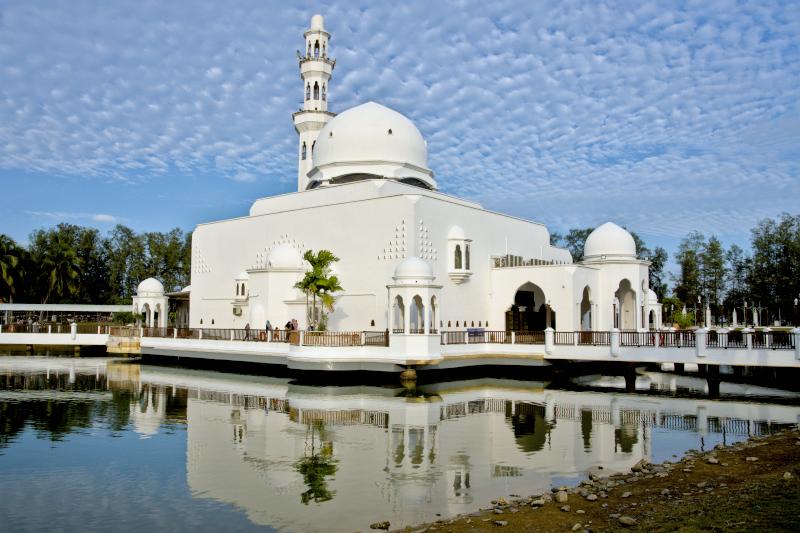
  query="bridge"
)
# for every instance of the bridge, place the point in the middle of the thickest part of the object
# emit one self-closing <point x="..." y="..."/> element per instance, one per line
<point x="385" y="351"/>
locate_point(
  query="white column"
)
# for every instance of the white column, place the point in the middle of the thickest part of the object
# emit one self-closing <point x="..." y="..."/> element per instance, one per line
<point x="796" y="334"/>
<point x="700" y="342"/>
<point x="549" y="340"/>
<point x="614" y="342"/>
<point x="73" y="330"/>
<point x="407" y="316"/>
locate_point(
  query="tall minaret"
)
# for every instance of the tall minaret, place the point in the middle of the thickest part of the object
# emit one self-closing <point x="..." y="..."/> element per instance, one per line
<point x="315" y="71"/>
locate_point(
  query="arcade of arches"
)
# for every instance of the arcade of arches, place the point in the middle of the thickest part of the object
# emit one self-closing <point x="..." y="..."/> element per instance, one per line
<point x="530" y="311"/>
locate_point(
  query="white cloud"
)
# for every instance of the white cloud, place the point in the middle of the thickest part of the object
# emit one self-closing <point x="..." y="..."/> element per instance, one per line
<point x="564" y="112"/>
<point x="62" y="216"/>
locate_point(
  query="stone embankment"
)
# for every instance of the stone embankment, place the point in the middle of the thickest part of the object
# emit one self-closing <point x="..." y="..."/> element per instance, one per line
<point x="751" y="485"/>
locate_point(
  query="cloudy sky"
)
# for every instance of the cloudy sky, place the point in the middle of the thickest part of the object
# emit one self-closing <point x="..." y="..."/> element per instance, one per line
<point x="665" y="117"/>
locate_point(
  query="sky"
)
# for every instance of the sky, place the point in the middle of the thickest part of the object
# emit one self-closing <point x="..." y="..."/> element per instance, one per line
<point x="665" y="117"/>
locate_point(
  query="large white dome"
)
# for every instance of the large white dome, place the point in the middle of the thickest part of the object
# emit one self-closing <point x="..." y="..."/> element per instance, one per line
<point x="609" y="241"/>
<point x="370" y="140"/>
<point x="413" y="270"/>
<point x="150" y="287"/>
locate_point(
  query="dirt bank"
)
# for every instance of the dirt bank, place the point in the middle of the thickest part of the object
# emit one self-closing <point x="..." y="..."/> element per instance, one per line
<point x="750" y="486"/>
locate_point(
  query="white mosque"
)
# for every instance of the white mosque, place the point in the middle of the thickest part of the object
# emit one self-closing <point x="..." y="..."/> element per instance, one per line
<point x="412" y="259"/>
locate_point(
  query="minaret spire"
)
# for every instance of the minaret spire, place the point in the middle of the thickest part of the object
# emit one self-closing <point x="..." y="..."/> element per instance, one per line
<point x="316" y="68"/>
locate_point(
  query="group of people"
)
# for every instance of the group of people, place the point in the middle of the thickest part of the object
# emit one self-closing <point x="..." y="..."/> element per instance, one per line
<point x="291" y="325"/>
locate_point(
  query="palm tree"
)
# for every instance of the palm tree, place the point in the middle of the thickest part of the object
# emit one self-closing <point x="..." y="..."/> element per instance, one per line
<point x="9" y="266"/>
<point x="60" y="269"/>
<point x="319" y="283"/>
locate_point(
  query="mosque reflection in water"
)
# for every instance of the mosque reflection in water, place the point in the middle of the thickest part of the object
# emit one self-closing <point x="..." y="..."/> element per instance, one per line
<point x="299" y="457"/>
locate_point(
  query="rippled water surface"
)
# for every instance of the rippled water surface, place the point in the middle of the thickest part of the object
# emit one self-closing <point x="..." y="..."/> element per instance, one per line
<point x="105" y="445"/>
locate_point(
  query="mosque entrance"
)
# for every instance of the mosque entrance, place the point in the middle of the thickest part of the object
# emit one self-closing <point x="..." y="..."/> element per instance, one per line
<point x="530" y="311"/>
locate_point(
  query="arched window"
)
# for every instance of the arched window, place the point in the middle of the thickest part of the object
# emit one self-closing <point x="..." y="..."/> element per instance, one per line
<point x="466" y="257"/>
<point x="237" y="289"/>
<point x="316" y="49"/>
<point x="457" y="258"/>
<point x="308" y="91"/>
<point x="313" y="144"/>
<point x="243" y="291"/>
<point x="308" y="49"/>
<point x="324" y="96"/>
<point x="324" y="53"/>
<point x="316" y="91"/>
<point x="303" y="152"/>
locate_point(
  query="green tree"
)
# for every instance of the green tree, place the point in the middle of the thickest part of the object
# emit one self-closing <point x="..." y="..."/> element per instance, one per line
<point x="774" y="277"/>
<point x="688" y="282"/>
<point x="657" y="262"/>
<point x="127" y="261"/>
<point x="738" y="274"/>
<point x="59" y="270"/>
<point x="319" y="284"/>
<point x="165" y="256"/>
<point x="10" y="267"/>
<point x="713" y="273"/>
<point x="574" y="241"/>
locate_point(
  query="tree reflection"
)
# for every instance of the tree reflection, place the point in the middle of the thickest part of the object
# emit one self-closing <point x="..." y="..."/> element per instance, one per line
<point x="317" y="465"/>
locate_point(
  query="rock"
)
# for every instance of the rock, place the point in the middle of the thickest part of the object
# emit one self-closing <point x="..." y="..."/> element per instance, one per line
<point x="614" y="516"/>
<point x="787" y="475"/>
<point x="500" y="523"/>
<point x="537" y="502"/>
<point x="665" y="492"/>
<point x="576" y="527"/>
<point x="498" y="511"/>
<point x="640" y="465"/>
<point x="591" y="497"/>
<point x="701" y="484"/>
<point x="627" y="521"/>
<point x="565" y="508"/>
<point x="561" y="496"/>
<point x="626" y="494"/>
<point x="751" y="459"/>
<point x="723" y="464"/>
<point x="712" y="460"/>
<point x="580" y="511"/>
<point x="379" y="525"/>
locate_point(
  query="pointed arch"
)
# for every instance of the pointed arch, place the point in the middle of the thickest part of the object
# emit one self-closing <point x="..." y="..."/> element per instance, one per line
<point x="466" y="256"/>
<point x="303" y="152"/>
<point x="308" y="91"/>
<point x="316" y="90"/>
<point x="398" y="315"/>
<point x="416" y="320"/>
<point x="457" y="258"/>
<point x="586" y="309"/>
<point x="316" y="49"/>
<point x="324" y="93"/>
<point x="626" y="310"/>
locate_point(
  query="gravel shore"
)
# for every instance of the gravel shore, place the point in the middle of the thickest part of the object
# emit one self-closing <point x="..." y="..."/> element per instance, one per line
<point x="752" y="485"/>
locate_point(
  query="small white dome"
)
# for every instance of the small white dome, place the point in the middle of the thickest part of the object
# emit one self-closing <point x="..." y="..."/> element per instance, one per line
<point x="150" y="286"/>
<point x="611" y="241"/>
<point x="317" y="22"/>
<point x="285" y="256"/>
<point x="457" y="233"/>
<point x="187" y="288"/>
<point x="243" y="276"/>
<point x="652" y="297"/>
<point x="413" y="268"/>
<point x="371" y="140"/>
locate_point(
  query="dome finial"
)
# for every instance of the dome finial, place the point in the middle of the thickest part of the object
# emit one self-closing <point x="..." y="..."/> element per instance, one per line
<point x="317" y="22"/>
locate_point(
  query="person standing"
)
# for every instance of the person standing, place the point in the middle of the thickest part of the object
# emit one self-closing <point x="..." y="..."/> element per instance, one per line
<point x="247" y="331"/>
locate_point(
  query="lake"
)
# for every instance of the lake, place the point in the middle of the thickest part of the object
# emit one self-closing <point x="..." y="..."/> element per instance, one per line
<point x="104" y="444"/>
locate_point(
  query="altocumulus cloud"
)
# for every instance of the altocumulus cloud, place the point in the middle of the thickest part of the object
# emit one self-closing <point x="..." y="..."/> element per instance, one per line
<point x="664" y="117"/>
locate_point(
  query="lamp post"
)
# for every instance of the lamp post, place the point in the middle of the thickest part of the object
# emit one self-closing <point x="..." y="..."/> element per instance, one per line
<point x="796" y="321"/>
<point x="695" y="309"/>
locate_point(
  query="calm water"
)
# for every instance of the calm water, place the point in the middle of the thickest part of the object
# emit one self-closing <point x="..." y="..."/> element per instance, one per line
<point x="100" y="444"/>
